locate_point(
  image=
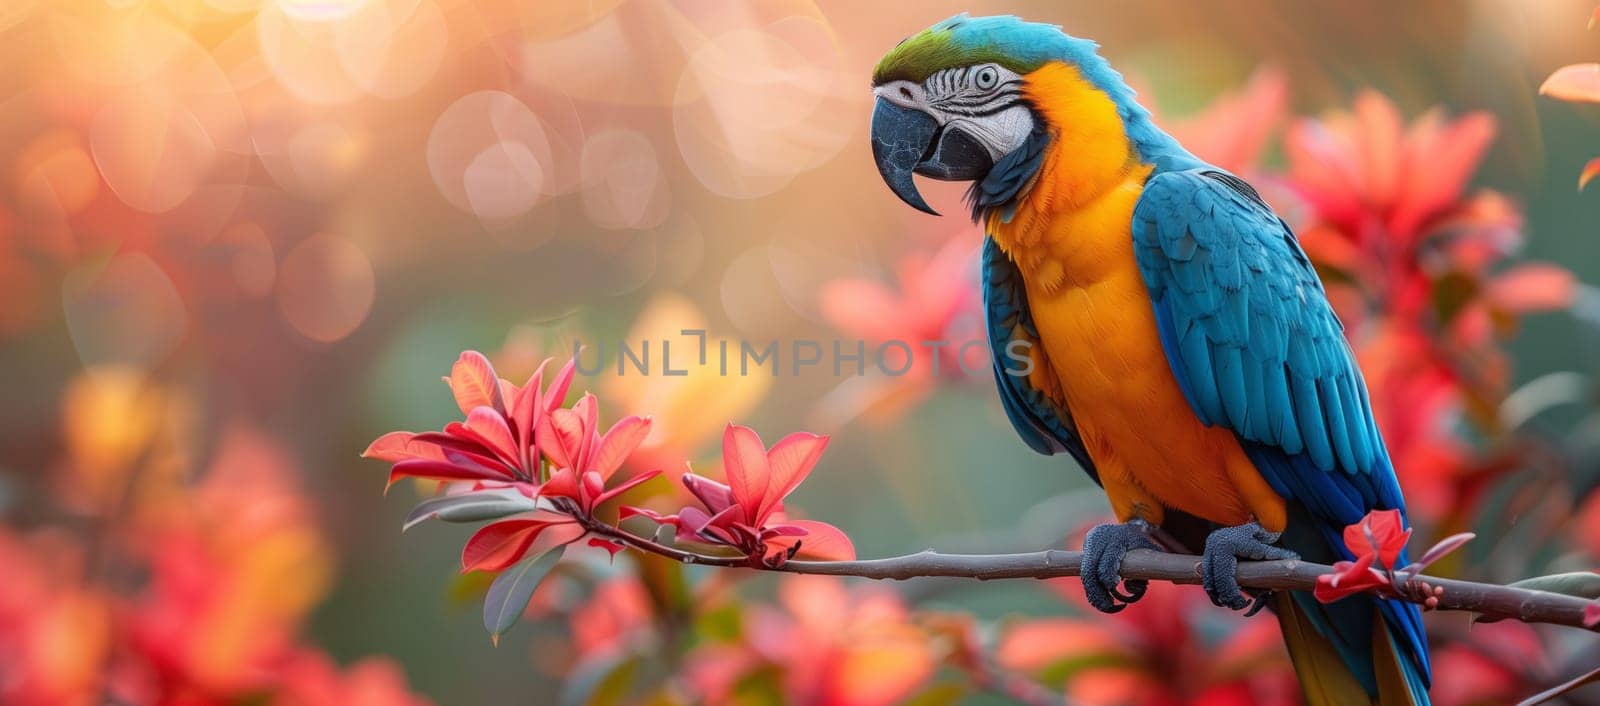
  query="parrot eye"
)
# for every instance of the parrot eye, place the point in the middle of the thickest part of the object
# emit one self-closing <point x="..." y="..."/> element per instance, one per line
<point x="986" y="78"/>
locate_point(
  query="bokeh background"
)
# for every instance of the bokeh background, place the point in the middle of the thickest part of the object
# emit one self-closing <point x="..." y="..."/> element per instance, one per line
<point x="239" y="239"/>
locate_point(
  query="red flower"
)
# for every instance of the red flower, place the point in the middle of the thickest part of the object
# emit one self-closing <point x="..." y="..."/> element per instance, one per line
<point x="1382" y="533"/>
<point x="510" y="436"/>
<point x="496" y="442"/>
<point x="747" y="513"/>
<point x="583" y="459"/>
<point x="1378" y="539"/>
<point x="1349" y="578"/>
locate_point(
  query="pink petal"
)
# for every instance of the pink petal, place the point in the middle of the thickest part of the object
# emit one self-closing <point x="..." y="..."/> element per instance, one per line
<point x="563" y="442"/>
<point x="1349" y="577"/>
<point x="744" y="460"/>
<point x="1323" y="169"/>
<point x="821" y="542"/>
<point x="691" y="520"/>
<point x="508" y="392"/>
<point x="1533" y="286"/>
<point x="563" y="483"/>
<point x="547" y="440"/>
<point x="556" y="395"/>
<point x="1591" y="614"/>
<point x="441" y="470"/>
<point x="791" y="460"/>
<point x="1442" y="548"/>
<point x="501" y="544"/>
<point x="1591" y="169"/>
<point x="717" y="534"/>
<point x="1450" y="162"/>
<point x="1574" y="82"/>
<point x="458" y="437"/>
<point x="526" y="408"/>
<point x="492" y="427"/>
<point x="591" y="487"/>
<point x="615" y="447"/>
<point x="588" y="409"/>
<point x="787" y="530"/>
<point x="626" y="486"/>
<point x="464" y="443"/>
<point x="1381" y="532"/>
<point x="628" y="511"/>
<point x="1378" y="130"/>
<point x="401" y="446"/>
<point x="474" y="383"/>
<point x="469" y="458"/>
<point x="716" y="496"/>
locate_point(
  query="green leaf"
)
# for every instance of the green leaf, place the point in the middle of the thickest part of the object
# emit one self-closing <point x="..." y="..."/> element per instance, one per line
<point x="511" y="590"/>
<point x="476" y="506"/>
<point x="1583" y="584"/>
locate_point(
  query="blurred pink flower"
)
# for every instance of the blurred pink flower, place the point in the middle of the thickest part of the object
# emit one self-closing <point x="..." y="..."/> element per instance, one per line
<point x="934" y="300"/>
<point x="232" y="575"/>
<point x="1416" y="275"/>
<point x="830" y="645"/>
<point x="1234" y="129"/>
<point x="1496" y="663"/>
<point x="1174" y="649"/>
<point x="312" y="679"/>
<point x="55" y="634"/>
<point x="613" y="616"/>
<point x="1586" y="528"/>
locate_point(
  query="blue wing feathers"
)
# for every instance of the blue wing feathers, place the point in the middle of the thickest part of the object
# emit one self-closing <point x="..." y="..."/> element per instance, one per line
<point x="1256" y="348"/>
<point x="1043" y="425"/>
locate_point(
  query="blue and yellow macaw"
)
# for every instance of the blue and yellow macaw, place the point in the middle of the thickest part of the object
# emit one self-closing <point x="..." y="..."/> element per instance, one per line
<point x="1152" y="317"/>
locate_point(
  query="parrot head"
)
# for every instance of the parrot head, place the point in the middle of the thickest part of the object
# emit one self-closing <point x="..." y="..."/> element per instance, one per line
<point x="980" y="99"/>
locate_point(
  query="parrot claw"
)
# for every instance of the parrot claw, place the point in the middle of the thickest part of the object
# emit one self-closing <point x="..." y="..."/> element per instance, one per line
<point x="1103" y="550"/>
<point x="1220" y="562"/>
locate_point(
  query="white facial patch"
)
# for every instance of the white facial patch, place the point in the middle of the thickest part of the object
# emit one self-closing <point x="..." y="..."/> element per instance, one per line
<point x="984" y="101"/>
<point x="1001" y="132"/>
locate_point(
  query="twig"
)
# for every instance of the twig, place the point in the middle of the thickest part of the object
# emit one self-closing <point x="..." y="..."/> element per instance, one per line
<point x="1490" y="600"/>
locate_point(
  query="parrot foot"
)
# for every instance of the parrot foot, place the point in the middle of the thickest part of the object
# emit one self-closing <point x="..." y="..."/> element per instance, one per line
<point x="1103" y="550"/>
<point x="1224" y="548"/>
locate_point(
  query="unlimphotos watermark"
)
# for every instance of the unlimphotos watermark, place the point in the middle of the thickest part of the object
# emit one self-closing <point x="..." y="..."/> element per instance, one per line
<point x="724" y="357"/>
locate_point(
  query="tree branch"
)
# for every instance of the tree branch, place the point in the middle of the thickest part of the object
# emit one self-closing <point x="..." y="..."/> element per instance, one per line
<point x="1493" y="601"/>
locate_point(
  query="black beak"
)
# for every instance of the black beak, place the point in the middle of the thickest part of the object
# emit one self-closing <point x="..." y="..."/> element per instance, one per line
<point x="907" y="141"/>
